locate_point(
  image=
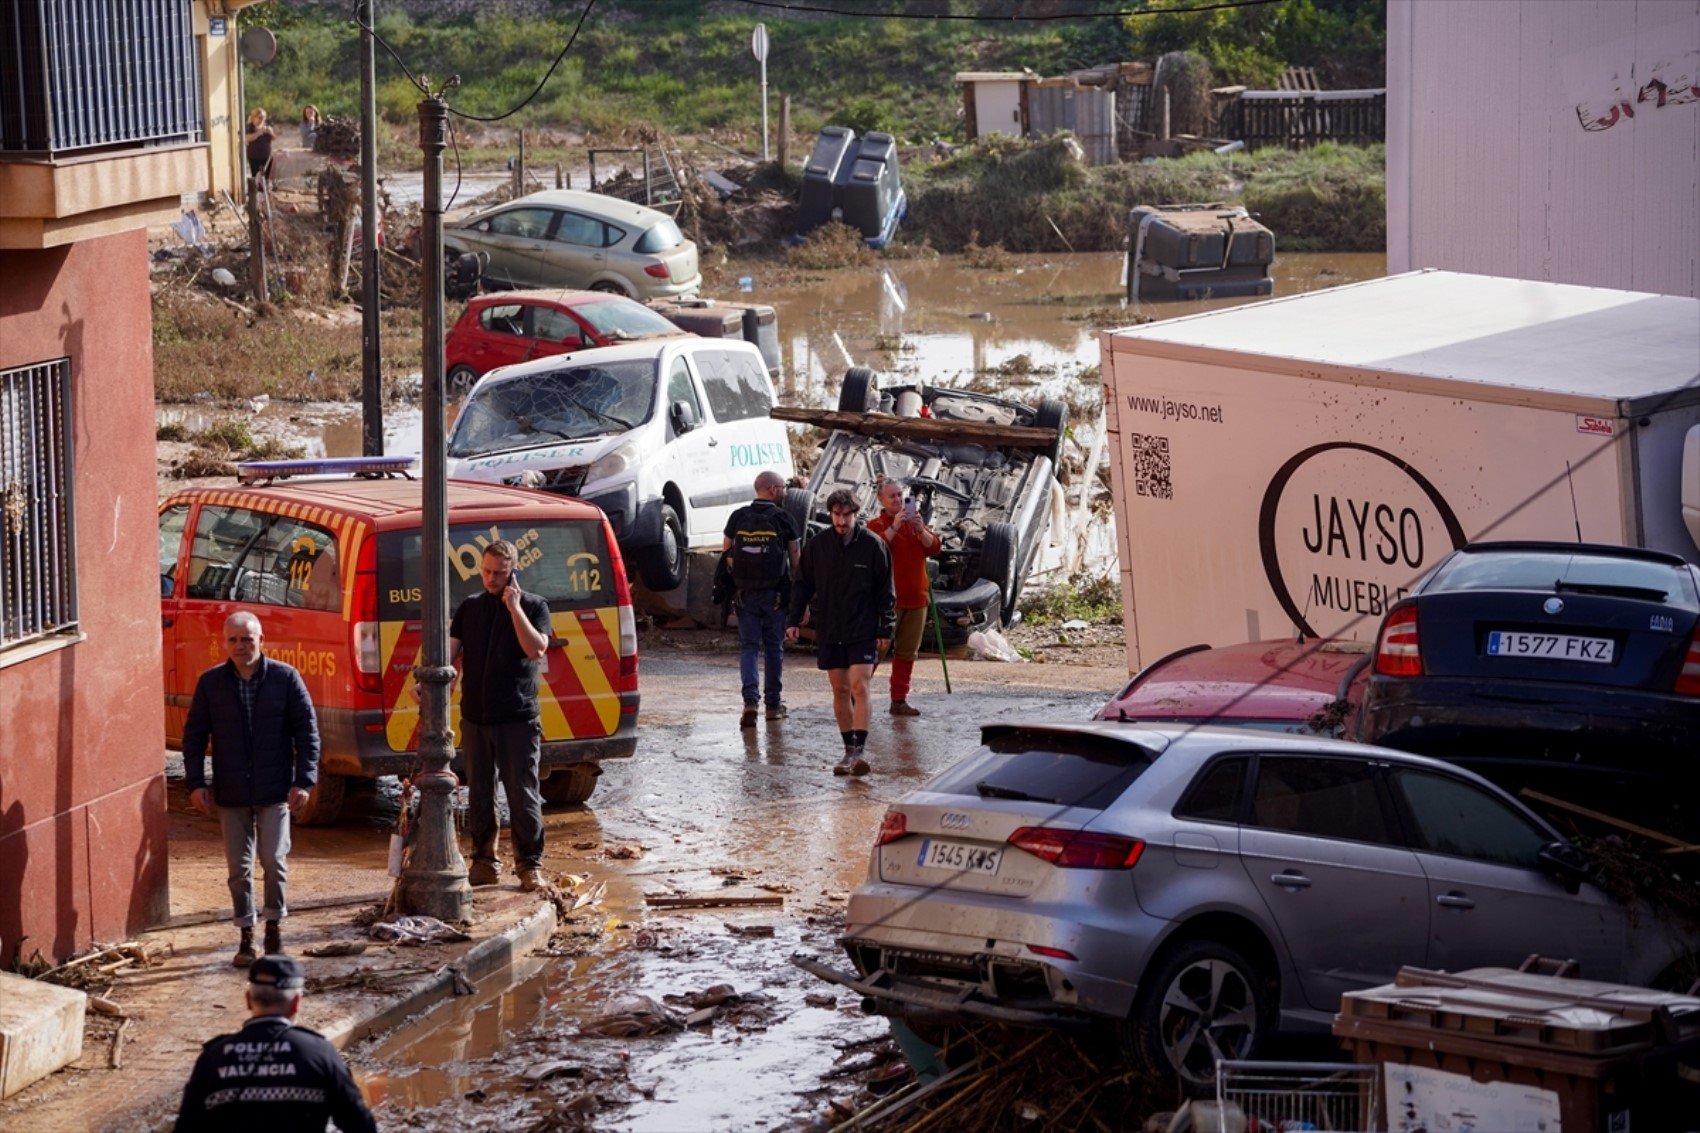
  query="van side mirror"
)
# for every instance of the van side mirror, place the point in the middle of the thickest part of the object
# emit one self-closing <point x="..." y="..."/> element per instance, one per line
<point x="165" y="586"/>
<point x="1565" y="864"/>
<point x="683" y="417"/>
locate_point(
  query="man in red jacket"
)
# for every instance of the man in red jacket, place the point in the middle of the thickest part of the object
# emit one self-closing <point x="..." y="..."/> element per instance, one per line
<point x="910" y="542"/>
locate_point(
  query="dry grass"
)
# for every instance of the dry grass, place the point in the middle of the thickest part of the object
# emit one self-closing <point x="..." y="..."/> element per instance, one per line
<point x="832" y="245"/>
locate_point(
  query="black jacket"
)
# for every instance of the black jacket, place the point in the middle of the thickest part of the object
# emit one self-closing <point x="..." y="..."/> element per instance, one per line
<point x="272" y="1077"/>
<point x="848" y="586"/>
<point x="252" y="766"/>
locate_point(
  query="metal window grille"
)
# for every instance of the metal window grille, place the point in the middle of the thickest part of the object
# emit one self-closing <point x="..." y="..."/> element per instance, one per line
<point x="84" y="74"/>
<point x="38" y="576"/>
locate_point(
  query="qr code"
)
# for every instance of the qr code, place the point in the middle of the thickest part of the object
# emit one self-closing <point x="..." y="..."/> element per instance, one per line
<point x="1151" y="467"/>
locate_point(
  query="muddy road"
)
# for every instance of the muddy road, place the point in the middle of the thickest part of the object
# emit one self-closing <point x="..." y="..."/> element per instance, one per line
<point x="591" y="1036"/>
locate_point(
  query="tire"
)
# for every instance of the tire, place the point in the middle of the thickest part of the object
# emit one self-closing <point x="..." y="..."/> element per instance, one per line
<point x="1200" y="982"/>
<point x="799" y="504"/>
<point x="1053" y="415"/>
<point x="609" y="287"/>
<point x="662" y="567"/>
<point x="460" y="381"/>
<point x="324" y="801"/>
<point x="998" y="560"/>
<point x="860" y="391"/>
<point x="569" y="786"/>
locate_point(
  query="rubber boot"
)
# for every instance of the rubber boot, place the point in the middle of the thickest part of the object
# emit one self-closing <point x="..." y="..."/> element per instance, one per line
<point x="244" y="950"/>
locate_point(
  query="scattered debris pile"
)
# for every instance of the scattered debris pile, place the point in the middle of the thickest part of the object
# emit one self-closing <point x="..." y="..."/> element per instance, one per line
<point x="338" y="137"/>
<point x="97" y="967"/>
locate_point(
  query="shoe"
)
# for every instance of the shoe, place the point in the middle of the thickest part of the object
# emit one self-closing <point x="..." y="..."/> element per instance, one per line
<point x="483" y="872"/>
<point x="245" y="950"/>
<point x="748" y="719"/>
<point x="843" y="766"/>
<point x="531" y="879"/>
<point x="274" y="938"/>
<point x="903" y="708"/>
<point x="859" y="766"/>
<point x="777" y="712"/>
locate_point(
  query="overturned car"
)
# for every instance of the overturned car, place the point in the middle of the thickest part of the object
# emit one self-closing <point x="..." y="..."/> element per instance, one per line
<point x="981" y="470"/>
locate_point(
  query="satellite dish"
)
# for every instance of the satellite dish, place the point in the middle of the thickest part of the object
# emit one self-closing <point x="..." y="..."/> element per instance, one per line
<point x="259" y="45"/>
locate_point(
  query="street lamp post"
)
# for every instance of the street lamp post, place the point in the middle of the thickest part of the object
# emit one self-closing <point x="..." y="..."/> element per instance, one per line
<point x="434" y="882"/>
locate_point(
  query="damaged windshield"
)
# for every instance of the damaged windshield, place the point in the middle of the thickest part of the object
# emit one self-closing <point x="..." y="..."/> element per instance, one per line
<point x="568" y="404"/>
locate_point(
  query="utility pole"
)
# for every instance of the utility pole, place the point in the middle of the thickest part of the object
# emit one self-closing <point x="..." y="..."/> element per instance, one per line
<point x="434" y="882"/>
<point x="371" y="351"/>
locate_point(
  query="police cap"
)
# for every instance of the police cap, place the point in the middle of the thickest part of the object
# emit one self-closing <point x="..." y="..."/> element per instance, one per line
<point x="282" y="972"/>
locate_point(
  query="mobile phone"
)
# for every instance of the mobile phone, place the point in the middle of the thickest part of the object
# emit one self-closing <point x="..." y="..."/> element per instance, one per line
<point x="910" y="511"/>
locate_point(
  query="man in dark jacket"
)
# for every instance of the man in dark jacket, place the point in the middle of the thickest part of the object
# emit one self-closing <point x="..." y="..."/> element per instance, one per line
<point x="265" y="759"/>
<point x="843" y="590"/>
<point x="273" y="1074"/>
<point x="760" y="549"/>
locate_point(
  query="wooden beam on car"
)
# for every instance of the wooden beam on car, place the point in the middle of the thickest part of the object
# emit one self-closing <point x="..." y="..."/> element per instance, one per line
<point x="918" y="428"/>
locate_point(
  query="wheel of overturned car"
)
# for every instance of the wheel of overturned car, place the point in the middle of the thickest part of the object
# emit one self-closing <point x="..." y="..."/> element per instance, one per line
<point x="324" y="801"/>
<point x="997" y="564"/>
<point x="662" y="566"/>
<point x="1200" y="1002"/>
<point x="860" y="391"/>
<point x="569" y="786"/>
<point x="460" y="381"/>
<point x="799" y="504"/>
<point x="1053" y="415"/>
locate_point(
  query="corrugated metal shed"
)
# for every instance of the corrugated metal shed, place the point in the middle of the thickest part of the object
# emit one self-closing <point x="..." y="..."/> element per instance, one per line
<point x="1546" y="141"/>
<point x="1090" y="112"/>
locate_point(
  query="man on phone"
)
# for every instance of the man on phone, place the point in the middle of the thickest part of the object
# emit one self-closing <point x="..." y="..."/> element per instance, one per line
<point x="498" y="637"/>
<point x="910" y="543"/>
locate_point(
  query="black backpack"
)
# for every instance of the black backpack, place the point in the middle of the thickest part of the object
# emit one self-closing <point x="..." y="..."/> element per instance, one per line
<point x="761" y="552"/>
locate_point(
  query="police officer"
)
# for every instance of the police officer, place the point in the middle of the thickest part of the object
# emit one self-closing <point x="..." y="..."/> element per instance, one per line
<point x="272" y="1074"/>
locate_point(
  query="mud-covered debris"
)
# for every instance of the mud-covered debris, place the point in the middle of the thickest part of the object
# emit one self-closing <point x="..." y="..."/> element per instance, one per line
<point x="625" y="851"/>
<point x="535" y="1076"/>
<point x="820" y="999"/>
<point x="634" y="1017"/>
<point x="417" y="930"/>
<point x="336" y="948"/>
<point x="701" y="1018"/>
<point x="718" y="901"/>
<point x="708" y="997"/>
<point x="751" y="931"/>
<point x="587" y="844"/>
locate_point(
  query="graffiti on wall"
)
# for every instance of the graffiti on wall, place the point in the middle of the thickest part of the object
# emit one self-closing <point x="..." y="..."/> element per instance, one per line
<point x="1671" y="83"/>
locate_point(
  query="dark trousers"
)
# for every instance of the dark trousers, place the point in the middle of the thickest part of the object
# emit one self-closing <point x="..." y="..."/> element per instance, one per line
<point x="511" y="751"/>
<point x="761" y="632"/>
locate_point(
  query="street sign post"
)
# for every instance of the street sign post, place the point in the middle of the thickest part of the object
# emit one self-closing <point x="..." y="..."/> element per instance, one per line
<point x="758" y="46"/>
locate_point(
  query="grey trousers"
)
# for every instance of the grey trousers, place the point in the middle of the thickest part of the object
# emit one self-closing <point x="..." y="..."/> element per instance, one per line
<point x="266" y="827"/>
<point x="512" y="751"/>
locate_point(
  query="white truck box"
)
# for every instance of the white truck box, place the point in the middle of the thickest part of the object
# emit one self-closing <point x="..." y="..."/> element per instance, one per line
<point x="1298" y="464"/>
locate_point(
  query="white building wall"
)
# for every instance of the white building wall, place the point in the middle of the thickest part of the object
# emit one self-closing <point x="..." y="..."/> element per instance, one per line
<point x="1526" y="138"/>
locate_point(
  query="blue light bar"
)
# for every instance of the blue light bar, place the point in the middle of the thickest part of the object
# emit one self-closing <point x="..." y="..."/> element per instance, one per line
<point x="257" y="471"/>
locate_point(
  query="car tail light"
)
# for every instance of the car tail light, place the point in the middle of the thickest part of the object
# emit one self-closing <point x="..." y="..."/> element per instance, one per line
<point x="893" y="826"/>
<point x="365" y="636"/>
<point x="1078" y="849"/>
<point x="1396" y="651"/>
<point x="659" y="271"/>
<point x="1688" y="677"/>
<point x="627" y="620"/>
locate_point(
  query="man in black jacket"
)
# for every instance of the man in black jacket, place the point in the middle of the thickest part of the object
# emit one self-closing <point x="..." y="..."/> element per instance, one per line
<point x="760" y="551"/>
<point x="843" y="590"/>
<point x="273" y="1074"/>
<point x="265" y="759"/>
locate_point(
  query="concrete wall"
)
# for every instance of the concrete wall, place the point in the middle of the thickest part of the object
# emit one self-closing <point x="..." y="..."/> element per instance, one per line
<point x="82" y="771"/>
<point x="1546" y="141"/>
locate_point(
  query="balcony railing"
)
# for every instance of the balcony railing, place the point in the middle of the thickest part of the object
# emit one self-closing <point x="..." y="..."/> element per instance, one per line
<point x="80" y="75"/>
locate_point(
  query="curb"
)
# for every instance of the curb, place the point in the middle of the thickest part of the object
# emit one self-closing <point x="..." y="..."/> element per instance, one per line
<point x="483" y="959"/>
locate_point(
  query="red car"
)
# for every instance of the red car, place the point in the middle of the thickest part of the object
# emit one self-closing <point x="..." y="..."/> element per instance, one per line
<point x="1283" y="685"/>
<point x="516" y="326"/>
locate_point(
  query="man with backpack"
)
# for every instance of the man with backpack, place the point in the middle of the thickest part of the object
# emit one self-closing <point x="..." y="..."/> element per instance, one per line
<point x="761" y="548"/>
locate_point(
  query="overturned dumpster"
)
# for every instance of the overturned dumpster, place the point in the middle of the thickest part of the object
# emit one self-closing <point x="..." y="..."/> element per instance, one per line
<point x="854" y="182"/>
<point x="1197" y="252"/>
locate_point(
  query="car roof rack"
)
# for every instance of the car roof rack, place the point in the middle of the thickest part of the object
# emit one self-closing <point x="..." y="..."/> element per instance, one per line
<point x="261" y="472"/>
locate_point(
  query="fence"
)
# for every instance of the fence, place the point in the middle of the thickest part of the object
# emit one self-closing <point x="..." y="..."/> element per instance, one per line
<point x="1302" y="118"/>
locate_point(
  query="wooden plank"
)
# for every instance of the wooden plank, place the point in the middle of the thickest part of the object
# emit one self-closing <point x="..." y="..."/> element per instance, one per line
<point x="918" y="428"/>
<point x="715" y="902"/>
<point x="1674" y="843"/>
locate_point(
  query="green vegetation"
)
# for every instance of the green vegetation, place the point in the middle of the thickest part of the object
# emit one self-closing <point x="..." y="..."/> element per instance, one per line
<point x="1083" y="597"/>
<point x="684" y="66"/>
<point x="1033" y="196"/>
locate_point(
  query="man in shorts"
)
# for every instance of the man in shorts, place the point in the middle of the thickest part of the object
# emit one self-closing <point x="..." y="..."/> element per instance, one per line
<point x="843" y="591"/>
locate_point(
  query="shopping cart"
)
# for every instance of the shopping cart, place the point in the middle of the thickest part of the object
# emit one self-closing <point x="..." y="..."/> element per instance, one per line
<point x="1288" y="1096"/>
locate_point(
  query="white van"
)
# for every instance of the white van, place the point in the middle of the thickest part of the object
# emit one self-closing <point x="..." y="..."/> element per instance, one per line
<point x="666" y="437"/>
